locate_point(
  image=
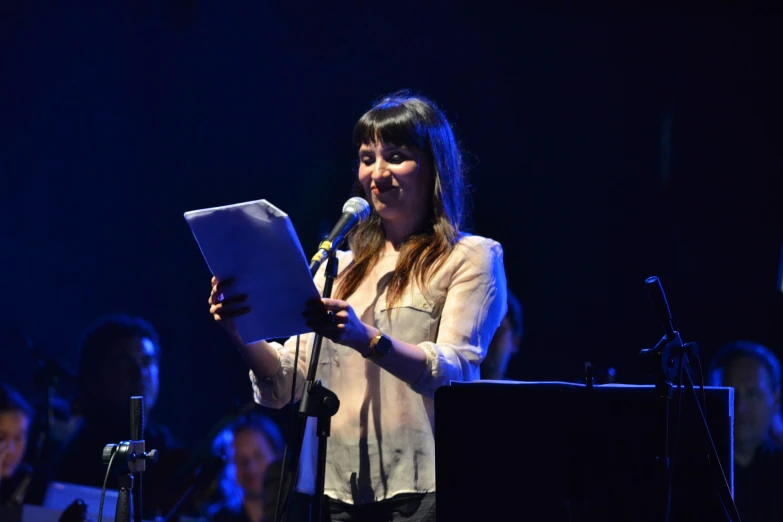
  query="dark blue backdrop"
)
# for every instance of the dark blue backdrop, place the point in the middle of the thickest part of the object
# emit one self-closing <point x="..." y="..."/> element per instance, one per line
<point x="604" y="149"/>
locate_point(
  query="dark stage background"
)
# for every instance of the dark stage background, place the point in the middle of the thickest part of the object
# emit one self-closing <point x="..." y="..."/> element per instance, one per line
<point x="604" y="148"/>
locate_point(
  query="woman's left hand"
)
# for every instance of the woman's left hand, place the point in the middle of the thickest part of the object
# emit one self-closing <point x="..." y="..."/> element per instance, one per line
<point x="336" y="320"/>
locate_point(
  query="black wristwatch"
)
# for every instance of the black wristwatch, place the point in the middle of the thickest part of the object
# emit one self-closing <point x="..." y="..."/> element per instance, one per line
<point x="379" y="346"/>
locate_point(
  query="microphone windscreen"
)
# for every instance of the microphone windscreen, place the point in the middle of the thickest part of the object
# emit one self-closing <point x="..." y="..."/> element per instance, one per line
<point x="357" y="206"/>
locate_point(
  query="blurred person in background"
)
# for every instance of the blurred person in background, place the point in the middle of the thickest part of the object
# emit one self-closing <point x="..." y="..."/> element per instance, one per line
<point x="18" y="484"/>
<point x="251" y="446"/>
<point x="755" y="374"/>
<point x="505" y="343"/>
<point x="119" y="358"/>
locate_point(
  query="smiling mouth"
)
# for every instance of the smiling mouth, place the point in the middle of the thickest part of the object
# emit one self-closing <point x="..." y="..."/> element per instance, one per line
<point x="383" y="190"/>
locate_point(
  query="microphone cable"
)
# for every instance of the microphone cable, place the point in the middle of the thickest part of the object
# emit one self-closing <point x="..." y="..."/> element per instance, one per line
<point x="103" y="489"/>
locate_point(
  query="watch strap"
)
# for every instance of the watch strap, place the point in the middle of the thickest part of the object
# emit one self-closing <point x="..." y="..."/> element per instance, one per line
<point x="373" y="343"/>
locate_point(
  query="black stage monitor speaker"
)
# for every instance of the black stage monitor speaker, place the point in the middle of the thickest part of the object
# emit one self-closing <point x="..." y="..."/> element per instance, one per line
<point x="554" y="451"/>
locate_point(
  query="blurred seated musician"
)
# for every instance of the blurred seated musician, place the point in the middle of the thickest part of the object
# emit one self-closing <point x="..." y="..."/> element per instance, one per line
<point x="119" y="359"/>
<point x="505" y="343"/>
<point x="251" y="445"/>
<point x="17" y="483"/>
<point x="755" y="374"/>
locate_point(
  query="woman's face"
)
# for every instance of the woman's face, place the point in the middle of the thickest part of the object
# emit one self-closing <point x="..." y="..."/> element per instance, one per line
<point x="252" y="455"/>
<point x="396" y="181"/>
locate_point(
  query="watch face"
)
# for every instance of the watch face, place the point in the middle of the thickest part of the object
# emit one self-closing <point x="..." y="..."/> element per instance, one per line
<point x="383" y="346"/>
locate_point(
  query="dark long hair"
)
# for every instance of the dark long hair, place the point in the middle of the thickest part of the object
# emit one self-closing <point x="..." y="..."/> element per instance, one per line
<point x="403" y="119"/>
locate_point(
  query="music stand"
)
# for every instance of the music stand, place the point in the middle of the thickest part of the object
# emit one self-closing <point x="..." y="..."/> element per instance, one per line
<point x="571" y="452"/>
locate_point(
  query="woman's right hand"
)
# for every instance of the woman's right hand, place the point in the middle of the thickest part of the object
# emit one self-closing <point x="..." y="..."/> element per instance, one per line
<point x="225" y="308"/>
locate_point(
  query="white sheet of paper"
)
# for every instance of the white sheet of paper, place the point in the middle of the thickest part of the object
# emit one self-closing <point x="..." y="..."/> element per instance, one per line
<point x="255" y="243"/>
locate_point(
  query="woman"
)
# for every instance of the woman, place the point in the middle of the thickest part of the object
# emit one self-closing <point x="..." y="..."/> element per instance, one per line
<point x="415" y="305"/>
<point x="250" y="445"/>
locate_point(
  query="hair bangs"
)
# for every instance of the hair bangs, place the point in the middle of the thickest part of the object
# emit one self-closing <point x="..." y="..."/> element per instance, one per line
<point x="391" y="123"/>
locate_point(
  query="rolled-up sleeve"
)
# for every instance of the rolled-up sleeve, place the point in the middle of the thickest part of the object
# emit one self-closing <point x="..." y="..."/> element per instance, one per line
<point x="474" y="308"/>
<point x="274" y="391"/>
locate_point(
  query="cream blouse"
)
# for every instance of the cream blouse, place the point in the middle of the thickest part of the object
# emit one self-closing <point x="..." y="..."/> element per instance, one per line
<point x="382" y="439"/>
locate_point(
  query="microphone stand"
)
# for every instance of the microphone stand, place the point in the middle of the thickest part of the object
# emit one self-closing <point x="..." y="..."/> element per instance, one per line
<point x="321" y="403"/>
<point x="669" y="359"/>
<point x="132" y="460"/>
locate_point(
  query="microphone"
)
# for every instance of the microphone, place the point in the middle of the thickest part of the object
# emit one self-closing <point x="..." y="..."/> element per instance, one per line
<point x="137" y="418"/>
<point x="355" y="211"/>
<point x="137" y="440"/>
<point x="660" y="305"/>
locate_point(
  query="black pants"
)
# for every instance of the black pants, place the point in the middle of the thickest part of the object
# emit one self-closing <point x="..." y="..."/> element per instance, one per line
<point x="407" y="507"/>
